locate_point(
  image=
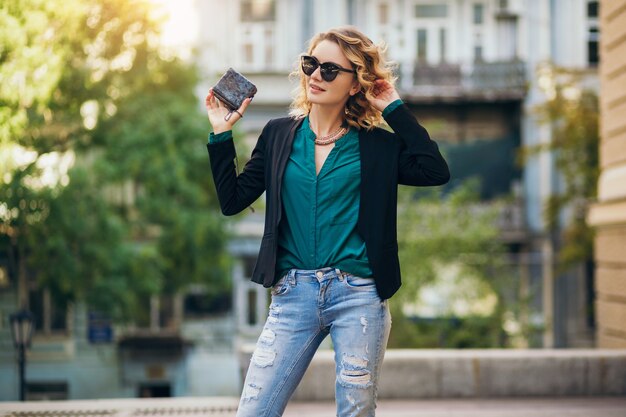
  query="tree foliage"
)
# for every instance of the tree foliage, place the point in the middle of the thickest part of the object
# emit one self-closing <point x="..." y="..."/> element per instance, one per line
<point x="34" y="50"/>
<point x="571" y="111"/>
<point x="436" y="233"/>
<point x="135" y="215"/>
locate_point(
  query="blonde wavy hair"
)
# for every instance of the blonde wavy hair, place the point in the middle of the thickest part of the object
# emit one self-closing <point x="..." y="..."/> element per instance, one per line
<point x="370" y="63"/>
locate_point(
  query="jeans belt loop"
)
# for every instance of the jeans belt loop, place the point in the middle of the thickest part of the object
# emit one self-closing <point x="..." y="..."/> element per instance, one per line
<point x="340" y="274"/>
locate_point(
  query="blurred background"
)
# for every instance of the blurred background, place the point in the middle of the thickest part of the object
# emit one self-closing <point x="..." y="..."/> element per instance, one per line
<point x="111" y="235"/>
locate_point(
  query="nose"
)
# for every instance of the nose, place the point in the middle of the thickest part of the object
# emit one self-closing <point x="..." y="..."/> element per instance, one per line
<point x="317" y="74"/>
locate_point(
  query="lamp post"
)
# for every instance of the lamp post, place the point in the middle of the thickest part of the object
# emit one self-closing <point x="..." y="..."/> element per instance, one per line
<point x="21" y="330"/>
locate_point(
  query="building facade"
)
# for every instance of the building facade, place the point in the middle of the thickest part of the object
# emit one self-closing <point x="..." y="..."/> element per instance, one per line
<point x="608" y="215"/>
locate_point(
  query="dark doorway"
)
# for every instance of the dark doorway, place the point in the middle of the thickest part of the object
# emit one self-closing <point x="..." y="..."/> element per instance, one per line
<point x="154" y="391"/>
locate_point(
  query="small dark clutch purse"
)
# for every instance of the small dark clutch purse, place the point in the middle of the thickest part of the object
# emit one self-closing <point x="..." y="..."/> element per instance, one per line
<point x="232" y="89"/>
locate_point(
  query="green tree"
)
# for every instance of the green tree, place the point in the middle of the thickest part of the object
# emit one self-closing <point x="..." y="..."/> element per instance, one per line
<point x="164" y="165"/>
<point x="571" y="111"/>
<point x="458" y="234"/>
<point x="136" y="215"/>
<point x="34" y="51"/>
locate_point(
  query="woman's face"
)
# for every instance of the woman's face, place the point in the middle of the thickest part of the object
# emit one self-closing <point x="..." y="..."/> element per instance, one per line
<point x="337" y="91"/>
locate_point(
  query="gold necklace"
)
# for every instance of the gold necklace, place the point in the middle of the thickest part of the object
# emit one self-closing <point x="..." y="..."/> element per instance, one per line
<point x="332" y="137"/>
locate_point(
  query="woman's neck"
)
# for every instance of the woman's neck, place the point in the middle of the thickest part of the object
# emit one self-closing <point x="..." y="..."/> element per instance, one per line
<point x="325" y="120"/>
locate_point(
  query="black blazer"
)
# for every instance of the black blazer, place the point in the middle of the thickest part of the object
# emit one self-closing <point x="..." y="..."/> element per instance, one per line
<point x="407" y="156"/>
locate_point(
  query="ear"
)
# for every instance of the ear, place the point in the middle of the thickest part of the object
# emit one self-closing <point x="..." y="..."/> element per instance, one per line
<point x="356" y="87"/>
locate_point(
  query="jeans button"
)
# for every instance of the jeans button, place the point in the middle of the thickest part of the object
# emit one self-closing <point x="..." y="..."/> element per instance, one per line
<point x="319" y="274"/>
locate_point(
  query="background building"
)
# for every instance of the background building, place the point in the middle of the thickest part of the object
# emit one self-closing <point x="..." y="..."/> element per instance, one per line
<point x="609" y="214"/>
<point x="468" y="70"/>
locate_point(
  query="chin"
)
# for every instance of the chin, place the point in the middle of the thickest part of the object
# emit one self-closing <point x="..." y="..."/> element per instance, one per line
<point x="314" y="100"/>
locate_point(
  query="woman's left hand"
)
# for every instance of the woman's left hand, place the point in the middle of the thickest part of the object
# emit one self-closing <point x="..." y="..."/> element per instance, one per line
<point x="383" y="94"/>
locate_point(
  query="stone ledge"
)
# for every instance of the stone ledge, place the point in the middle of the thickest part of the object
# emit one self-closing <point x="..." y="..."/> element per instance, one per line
<point x="409" y="374"/>
<point x="124" y="407"/>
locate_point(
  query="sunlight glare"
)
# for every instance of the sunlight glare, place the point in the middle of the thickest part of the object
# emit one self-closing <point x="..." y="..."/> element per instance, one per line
<point x="180" y="25"/>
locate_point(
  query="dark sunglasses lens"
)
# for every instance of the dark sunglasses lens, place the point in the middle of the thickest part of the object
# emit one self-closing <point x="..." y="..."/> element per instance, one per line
<point x="329" y="72"/>
<point x="309" y="65"/>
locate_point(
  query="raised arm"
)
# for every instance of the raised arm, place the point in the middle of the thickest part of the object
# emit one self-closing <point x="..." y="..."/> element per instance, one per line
<point x="420" y="161"/>
<point x="235" y="192"/>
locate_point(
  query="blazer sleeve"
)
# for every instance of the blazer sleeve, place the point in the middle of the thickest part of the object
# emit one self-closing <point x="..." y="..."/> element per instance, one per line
<point x="236" y="192"/>
<point x="420" y="162"/>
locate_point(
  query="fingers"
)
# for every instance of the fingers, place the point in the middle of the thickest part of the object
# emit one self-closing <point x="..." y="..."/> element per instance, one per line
<point x="211" y="102"/>
<point x="244" y="105"/>
<point x="242" y="109"/>
<point x="380" y="85"/>
<point x="377" y="87"/>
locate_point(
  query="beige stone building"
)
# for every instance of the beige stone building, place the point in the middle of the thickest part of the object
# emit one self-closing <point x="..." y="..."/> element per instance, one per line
<point x="608" y="215"/>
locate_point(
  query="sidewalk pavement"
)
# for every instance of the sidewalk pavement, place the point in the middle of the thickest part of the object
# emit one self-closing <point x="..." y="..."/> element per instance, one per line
<point x="513" y="407"/>
<point x="227" y="406"/>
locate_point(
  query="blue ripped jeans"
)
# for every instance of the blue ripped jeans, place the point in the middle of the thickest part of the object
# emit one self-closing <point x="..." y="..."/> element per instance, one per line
<point x="307" y="305"/>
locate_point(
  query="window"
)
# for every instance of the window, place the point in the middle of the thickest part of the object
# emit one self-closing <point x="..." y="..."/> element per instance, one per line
<point x="167" y="314"/>
<point x="248" y="53"/>
<point x="421" y="44"/>
<point x="593" y="57"/>
<point x="248" y="266"/>
<point x="479" y="10"/>
<point x="256" y="50"/>
<point x="592" y="9"/>
<point x="442" y="44"/>
<point x="46" y="391"/>
<point x="383" y="13"/>
<point x="426" y="11"/>
<point x="50" y="314"/>
<point x="154" y="390"/>
<point x="199" y="302"/>
<point x="593" y="34"/>
<point x="269" y="47"/>
<point x="158" y="313"/>
<point x="251" y="318"/>
<point x="258" y="10"/>
<point x="478" y="53"/>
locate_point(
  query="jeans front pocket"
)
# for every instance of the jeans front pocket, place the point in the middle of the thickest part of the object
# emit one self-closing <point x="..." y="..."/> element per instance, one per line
<point x="282" y="286"/>
<point x="356" y="282"/>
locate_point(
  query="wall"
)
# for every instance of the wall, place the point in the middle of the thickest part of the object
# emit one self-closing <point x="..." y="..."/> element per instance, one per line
<point x="608" y="215"/>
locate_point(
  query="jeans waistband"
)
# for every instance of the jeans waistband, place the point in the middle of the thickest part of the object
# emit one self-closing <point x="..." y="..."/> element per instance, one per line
<point x="320" y="274"/>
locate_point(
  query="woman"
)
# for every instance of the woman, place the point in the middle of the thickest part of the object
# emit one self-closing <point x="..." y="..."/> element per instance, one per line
<point x="329" y="250"/>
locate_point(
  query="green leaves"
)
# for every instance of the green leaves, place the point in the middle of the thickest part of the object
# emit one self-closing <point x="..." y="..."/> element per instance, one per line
<point x="450" y="249"/>
<point x="136" y="215"/>
<point x="434" y="230"/>
<point x="571" y="112"/>
<point x="33" y="54"/>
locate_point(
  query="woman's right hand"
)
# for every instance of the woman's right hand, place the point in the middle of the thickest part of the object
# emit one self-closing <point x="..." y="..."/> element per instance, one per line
<point x="217" y="111"/>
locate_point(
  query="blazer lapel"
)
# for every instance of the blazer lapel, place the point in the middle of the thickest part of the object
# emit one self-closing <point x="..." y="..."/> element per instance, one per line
<point x="283" y="150"/>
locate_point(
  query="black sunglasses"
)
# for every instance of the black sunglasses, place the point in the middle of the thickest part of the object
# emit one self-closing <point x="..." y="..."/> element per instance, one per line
<point x="328" y="70"/>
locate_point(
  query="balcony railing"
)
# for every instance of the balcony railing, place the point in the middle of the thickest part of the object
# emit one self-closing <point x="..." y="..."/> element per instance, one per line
<point x="453" y="82"/>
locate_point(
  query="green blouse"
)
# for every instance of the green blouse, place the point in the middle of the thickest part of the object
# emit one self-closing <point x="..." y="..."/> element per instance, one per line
<point x="319" y="226"/>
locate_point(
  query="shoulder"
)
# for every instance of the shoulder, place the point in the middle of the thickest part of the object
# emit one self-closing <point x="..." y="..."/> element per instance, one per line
<point x="377" y="133"/>
<point x="380" y="142"/>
